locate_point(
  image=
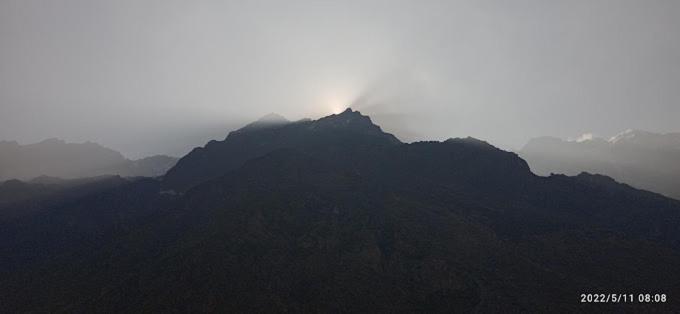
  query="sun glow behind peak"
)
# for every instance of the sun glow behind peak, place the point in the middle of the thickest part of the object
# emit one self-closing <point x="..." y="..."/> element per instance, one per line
<point x="336" y="103"/>
<point x="338" y="108"/>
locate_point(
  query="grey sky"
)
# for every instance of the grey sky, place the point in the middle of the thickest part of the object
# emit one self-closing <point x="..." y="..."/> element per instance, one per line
<point x="161" y="76"/>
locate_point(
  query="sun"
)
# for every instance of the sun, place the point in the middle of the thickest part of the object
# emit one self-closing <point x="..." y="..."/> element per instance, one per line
<point x="336" y="104"/>
<point x="337" y="108"/>
<point x="334" y="101"/>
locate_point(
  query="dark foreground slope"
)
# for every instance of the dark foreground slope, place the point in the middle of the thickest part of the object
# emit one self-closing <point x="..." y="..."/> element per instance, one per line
<point x="18" y="198"/>
<point x="455" y="226"/>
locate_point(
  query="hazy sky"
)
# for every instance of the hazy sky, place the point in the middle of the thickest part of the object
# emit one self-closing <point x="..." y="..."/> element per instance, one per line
<point x="149" y="77"/>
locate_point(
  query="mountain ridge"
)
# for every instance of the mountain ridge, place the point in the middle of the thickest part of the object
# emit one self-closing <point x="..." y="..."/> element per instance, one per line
<point x="218" y="157"/>
<point x="643" y="159"/>
<point x="350" y="222"/>
<point x="57" y="158"/>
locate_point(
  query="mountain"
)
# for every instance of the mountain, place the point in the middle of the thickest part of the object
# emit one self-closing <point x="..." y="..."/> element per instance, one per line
<point x="271" y="133"/>
<point x="56" y="158"/>
<point x="18" y="199"/>
<point x="339" y="217"/>
<point x="643" y="159"/>
<point x="271" y="120"/>
<point x="152" y="166"/>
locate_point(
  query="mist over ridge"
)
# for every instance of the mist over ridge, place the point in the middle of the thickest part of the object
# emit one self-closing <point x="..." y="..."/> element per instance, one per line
<point x="160" y="78"/>
<point x="59" y="159"/>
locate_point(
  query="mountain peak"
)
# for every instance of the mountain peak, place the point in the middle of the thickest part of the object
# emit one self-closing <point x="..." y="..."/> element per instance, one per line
<point x="266" y="121"/>
<point x="346" y="118"/>
<point x="627" y="135"/>
<point x="647" y="139"/>
<point x="272" y="117"/>
<point x="471" y="141"/>
<point x="346" y="130"/>
<point x="352" y="121"/>
<point x="350" y="112"/>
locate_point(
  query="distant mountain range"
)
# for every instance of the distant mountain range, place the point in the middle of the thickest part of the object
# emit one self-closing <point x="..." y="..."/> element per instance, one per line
<point x="335" y="215"/>
<point x="642" y="159"/>
<point x="56" y="158"/>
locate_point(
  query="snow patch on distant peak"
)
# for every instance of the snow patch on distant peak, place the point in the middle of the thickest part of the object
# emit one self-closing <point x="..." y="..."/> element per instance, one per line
<point x="627" y="134"/>
<point x="583" y="138"/>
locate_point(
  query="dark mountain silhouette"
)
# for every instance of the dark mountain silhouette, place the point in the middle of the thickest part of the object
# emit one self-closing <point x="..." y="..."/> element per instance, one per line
<point x="271" y="133"/>
<point x="56" y="158"/>
<point x="643" y="159"/>
<point x="337" y="216"/>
